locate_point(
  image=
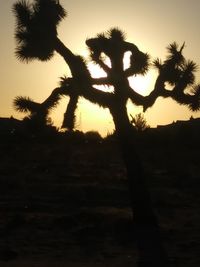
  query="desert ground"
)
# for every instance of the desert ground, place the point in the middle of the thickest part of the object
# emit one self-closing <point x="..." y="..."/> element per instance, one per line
<point x="65" y="202"/>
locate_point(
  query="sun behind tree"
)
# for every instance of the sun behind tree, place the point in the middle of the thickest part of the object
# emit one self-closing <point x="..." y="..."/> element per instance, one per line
<point x="36" y="33"/>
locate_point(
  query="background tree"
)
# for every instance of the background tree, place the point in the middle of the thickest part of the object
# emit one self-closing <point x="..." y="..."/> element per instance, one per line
<point x="139" y="122"/>
<point x="36" y="35"/>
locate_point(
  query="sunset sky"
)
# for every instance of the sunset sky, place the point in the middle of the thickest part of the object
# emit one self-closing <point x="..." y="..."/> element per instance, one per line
<point x="150" y="24"/>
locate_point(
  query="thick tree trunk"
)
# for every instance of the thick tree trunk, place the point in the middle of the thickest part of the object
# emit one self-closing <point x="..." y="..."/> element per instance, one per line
<point x="151" y="251"/>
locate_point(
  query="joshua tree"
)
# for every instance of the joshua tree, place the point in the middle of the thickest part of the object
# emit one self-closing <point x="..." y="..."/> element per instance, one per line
<point x="36" y="35"/>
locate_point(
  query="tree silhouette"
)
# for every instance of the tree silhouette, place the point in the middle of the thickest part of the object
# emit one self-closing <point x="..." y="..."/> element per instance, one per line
<point x="36" y="35"/>
<point x="139" y="122"/>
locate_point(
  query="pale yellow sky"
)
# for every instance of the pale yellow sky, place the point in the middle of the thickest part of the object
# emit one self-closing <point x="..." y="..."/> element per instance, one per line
<point x="150" y="24"/>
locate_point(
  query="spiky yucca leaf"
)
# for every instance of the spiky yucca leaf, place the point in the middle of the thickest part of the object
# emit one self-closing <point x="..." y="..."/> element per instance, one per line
<point x="191" y="66"/>
<point x="96" y="45"/>
<point x="22" y="37"/>
<point x="50" y="8"/>
<point x="195" y="90"/>
<point x="65" y="85"/>
<point x="140" y="63"/>
<point x="172" y="48"/>
<point x="64" y="81"/>
<point x="157" y="63"/>
<point x="25" y="104"/>
<point x="23" y="13"/>
<point x="34" y="50"/>
<point x="37" y="28"/>
<point x="175" y="56"/>
<point x="116" y="34"/>
<point x="188" y="69"/>
<point x="101" y="36"/>
<point x="195" y="103"/>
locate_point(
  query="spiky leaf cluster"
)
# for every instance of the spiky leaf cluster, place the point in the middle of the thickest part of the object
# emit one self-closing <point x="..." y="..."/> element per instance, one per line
<point x="174" y="55"/>
<point x="188" y="68"/>
<point x="113" y="45"/>
<point x="106" y="43"/>
<point x="180" y="74"/>
<point x="24" y="104"/>
<point x="139" y="63"/>
<point x="175" y="69"/>
<point x="64" y="81"/>
<point x="172" y="66"/>
<point x="195" y="104"/>
<point x="116" y="35"/>
<point x="36" y="28"/>
<point x="157" y="63"/>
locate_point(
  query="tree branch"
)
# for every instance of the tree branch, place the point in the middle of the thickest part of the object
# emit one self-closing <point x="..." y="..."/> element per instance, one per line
<point x="101" y="81"/>
<point x="148" y="101"/>
<point x="105" y="67"/>
<point x="88" y="92"/>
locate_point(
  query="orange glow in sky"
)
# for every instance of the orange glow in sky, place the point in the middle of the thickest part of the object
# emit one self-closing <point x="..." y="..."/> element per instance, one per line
<point x="151" y="25"/>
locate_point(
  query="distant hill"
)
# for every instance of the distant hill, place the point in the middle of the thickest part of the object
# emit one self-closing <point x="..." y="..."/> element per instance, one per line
<point x="180" y="124"/>
<point x="187" y="131"/>
<point x="177" y="133"/>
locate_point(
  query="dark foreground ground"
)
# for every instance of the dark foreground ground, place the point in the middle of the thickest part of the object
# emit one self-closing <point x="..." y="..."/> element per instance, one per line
<point x="64" y="204"/>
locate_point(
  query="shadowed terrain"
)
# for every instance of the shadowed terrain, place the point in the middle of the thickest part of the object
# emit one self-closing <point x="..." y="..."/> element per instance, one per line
<point x="65" y="202"/>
